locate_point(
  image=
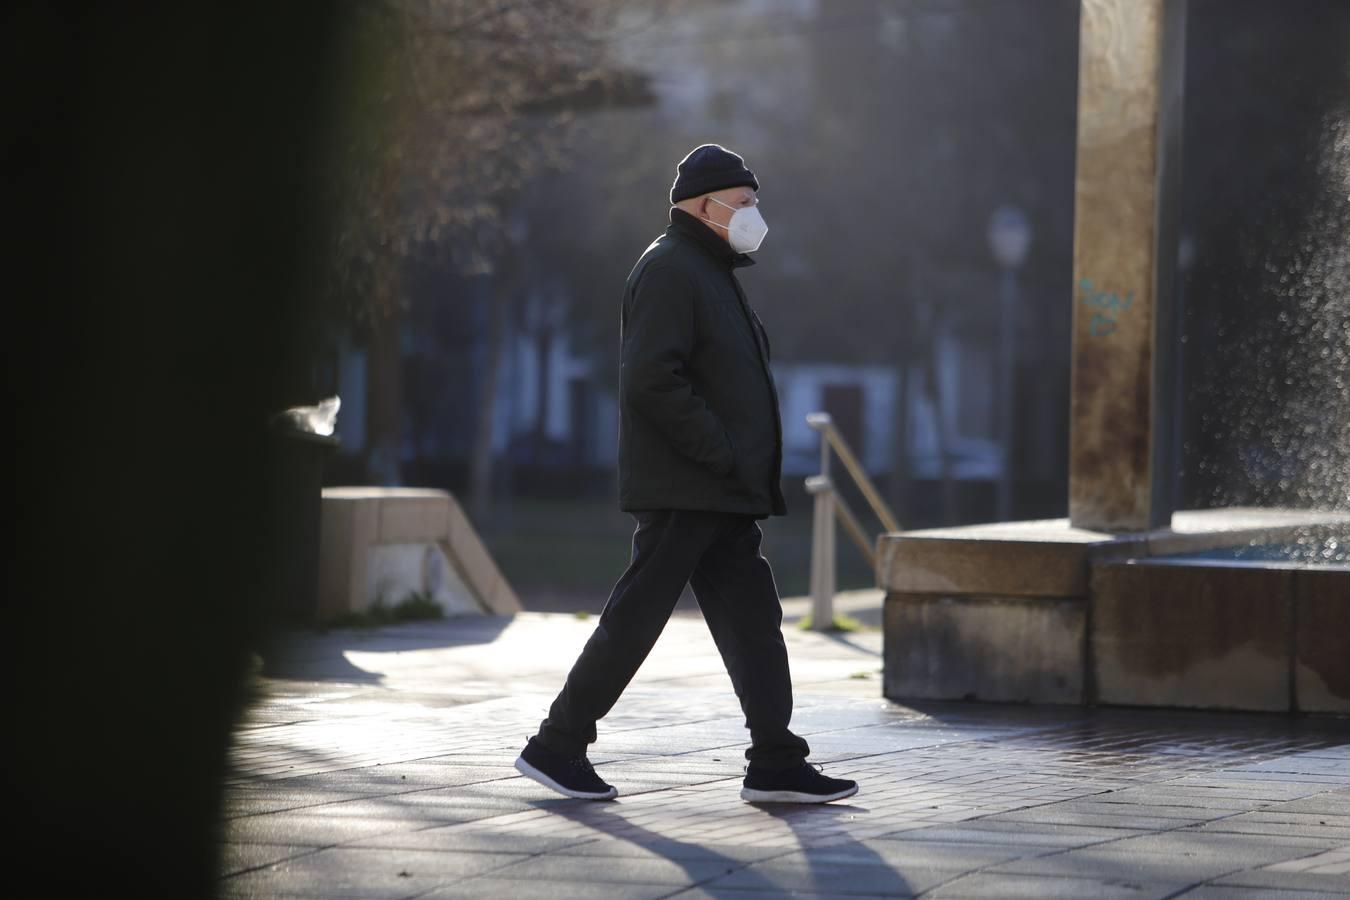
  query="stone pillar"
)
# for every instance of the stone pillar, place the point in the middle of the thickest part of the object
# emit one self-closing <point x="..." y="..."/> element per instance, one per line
<point x="1131" y="61"/>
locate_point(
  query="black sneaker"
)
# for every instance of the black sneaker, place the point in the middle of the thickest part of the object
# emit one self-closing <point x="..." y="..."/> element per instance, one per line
<point x="803" y="784"/>
<point x="569" y="777"/>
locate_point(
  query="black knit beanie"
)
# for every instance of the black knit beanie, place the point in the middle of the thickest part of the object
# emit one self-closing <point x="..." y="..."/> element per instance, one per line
<point x="709" y="168"/>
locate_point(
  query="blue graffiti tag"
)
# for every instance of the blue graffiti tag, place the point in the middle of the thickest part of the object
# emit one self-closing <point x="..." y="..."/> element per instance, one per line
<point x="1108" y="308"/>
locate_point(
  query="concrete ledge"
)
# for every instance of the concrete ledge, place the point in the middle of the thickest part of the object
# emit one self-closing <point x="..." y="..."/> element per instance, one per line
<point x="1017" y="559"/>
<point x="984" y="648"/>
<point x="1047" y="613"/>
<point x="1050" y="558"/>
<point x="1194" y="531"/>
<point x="378" y="541"/>
<point x="1174" y="635"/>
<point x="462" y="544"/>
<point x="1321" y="650"/>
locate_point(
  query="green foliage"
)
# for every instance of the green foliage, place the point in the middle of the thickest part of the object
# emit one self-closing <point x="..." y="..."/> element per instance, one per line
<point x="449" y="107"/>
<point x="841" y="622"/>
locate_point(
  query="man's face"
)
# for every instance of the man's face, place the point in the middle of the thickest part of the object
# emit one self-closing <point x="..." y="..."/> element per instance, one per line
<point x="734" y="199"/>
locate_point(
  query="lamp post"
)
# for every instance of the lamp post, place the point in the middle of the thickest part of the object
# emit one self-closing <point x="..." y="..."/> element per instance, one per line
<point x="1186" y="250"/>
<point x="1009" y="241"/>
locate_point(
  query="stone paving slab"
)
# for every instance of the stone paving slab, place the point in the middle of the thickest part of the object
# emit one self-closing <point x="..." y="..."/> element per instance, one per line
<point x="549" y="890"/>
<point x="1333" y="862"/>
<point x="1234" y="892"/>
<point x="1041" y="887"/>
<point x="378" y="765"/>
<point x="1286" y="881"/>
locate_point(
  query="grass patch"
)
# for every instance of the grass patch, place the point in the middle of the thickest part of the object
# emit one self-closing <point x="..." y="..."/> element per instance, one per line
<point x="841" y="622"/>
<point x="560" y="559"/>
<point x="414" y="608"/>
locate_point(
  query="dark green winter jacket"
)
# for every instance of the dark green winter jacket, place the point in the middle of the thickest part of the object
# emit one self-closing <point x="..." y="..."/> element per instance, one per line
<point x="698" y="411"/>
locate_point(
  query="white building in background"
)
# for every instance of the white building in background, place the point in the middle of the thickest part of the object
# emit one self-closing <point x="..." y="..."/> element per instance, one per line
<point x="581" y="421"/>
<point x="865" y="402"/>
<point x="582" y="412"/>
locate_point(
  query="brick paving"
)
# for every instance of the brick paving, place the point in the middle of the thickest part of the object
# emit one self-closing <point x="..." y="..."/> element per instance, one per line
<point x="379" y="765"/>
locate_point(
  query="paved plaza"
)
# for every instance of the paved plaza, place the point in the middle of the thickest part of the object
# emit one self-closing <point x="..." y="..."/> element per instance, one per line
<point x="379" y="765"/>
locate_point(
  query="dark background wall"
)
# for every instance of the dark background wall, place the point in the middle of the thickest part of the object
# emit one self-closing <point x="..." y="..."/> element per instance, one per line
<point x="160" y="212"/>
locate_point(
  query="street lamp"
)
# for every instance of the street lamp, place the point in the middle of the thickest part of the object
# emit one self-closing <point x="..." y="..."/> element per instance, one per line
<point x="1186" y="251"/>
<point x="1009" y="241"/>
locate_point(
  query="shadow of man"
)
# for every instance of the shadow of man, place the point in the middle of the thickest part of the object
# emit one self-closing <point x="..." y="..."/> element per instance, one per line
<point x="798" y="865"/>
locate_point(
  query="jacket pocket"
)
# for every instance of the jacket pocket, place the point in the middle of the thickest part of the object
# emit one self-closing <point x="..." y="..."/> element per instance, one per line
<point x="727" y="469"/>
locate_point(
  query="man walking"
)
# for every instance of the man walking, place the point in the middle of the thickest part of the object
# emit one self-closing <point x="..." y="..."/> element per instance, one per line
<point x="700" y="457"/>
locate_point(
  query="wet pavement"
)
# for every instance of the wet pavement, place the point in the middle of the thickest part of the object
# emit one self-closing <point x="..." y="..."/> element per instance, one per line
<point x="379" y="765"/>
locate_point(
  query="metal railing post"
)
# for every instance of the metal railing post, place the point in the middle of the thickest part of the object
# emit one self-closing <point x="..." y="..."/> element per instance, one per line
<point x="828" y="505"/>
<point x="822" y="552"/>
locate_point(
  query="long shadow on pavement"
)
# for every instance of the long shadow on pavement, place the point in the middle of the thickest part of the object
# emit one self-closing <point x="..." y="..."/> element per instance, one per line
<point x="321" y="655"/>
<point x="737" y="873"/>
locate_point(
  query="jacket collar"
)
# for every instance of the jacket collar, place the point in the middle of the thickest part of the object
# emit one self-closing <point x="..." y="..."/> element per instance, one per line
<point x="688" y="226"/>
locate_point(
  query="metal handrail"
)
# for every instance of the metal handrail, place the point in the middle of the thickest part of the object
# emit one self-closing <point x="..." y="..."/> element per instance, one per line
<point x="823" y="423"/>
<point x="854" y="529"/>
<point x="829" y="505"/>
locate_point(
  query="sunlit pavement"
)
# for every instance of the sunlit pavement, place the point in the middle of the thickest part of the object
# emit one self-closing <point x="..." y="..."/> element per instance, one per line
<point x="379" y="765"/>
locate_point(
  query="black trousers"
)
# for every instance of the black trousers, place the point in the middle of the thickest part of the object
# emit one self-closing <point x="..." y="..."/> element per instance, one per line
<point x="719" y="555"/>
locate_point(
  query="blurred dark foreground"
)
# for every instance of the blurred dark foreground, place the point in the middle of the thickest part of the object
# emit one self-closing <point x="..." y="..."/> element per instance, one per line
<point x="159" y="168"/>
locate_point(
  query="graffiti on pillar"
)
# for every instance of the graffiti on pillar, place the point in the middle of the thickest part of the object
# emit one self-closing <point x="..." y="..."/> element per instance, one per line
<point x="1107" y="308"/>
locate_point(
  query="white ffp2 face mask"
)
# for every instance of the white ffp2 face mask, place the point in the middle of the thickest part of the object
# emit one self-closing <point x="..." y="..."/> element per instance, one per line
<point x="746" y="230"/>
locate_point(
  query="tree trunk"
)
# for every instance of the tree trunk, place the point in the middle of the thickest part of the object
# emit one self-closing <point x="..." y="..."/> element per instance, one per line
<point x="933" y="385"/>
<point x="384" y="384"/>
<point x="481" y="463"/>
<point x="926" y="328"/>
<point x="545" y="393"/>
